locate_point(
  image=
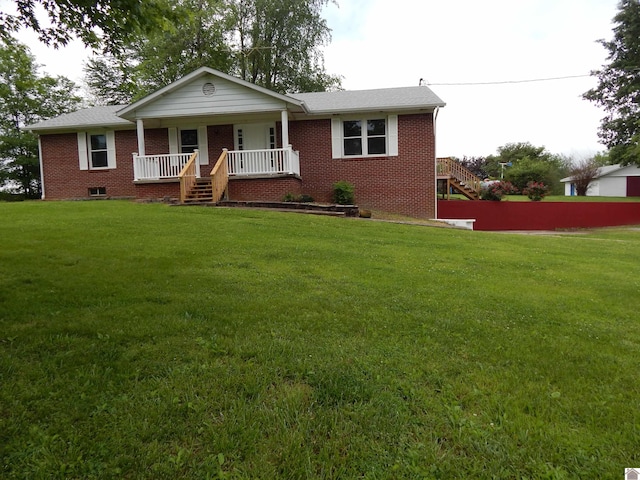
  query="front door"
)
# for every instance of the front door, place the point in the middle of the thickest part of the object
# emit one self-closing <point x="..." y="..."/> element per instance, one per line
<point x="255" y="136"/>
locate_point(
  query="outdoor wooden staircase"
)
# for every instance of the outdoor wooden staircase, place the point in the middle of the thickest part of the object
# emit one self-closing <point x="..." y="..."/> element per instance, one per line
<point x="200" y="192"/>
<point x="452" y="174"/>
<point x="197" y="190"/>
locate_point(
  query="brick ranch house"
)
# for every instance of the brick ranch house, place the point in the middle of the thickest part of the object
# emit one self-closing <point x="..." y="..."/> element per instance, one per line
<point x="261" y="144"/>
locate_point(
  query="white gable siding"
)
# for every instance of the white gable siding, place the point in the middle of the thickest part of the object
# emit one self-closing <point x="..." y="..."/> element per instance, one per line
<point x="229" y="98"/>
<point x="628" y="171"/>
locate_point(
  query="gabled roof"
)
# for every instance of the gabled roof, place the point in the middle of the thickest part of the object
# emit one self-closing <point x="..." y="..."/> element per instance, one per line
<point x="391" y="99"/>
<point x="95" y="117"/>
<point x="202" y="71"/>
<point x="601" y="172"/>
<point x="402" y="99"/>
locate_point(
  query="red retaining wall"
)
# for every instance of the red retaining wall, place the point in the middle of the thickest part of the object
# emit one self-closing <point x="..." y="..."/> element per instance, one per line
<point x="507" y="215"/>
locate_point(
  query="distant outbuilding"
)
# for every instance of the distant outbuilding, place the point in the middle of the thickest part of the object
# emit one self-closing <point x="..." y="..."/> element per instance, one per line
<point x="610" y="181"/>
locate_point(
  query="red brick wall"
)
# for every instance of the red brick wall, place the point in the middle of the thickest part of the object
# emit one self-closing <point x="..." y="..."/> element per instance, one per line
<point x="264" y="189"/>
<point x="156" y="141"/>
<point x="404" y="184"/>
<point x="158" y="191"/>
<point x="63" y="178"/>
<point x="218" y="137"/>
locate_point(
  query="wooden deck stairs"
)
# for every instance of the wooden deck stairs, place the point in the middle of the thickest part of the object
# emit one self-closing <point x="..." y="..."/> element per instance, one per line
<point x="200" y="192"/>
<point x="452" y="174"/>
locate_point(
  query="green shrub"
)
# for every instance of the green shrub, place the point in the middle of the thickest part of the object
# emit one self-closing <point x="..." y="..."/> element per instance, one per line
<point x="495" y="191"/>
<point x="343" y="193"/>
<point x="302" y="198"/>
<point x="536" y="191"/>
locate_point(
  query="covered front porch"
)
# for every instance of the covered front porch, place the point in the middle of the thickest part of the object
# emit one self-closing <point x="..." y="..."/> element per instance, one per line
<point x="240" y="163"/>
<point x="198" y="184"/>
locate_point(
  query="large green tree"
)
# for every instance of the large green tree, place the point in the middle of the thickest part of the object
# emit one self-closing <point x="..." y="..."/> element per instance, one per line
<point x="618" y="90"/>
<point x="272" y="43"/>
<point x="277" y="44"/>
<point x="26" y="97"/>
<point x="106" y="24"/>
<point x="524" y="162"/>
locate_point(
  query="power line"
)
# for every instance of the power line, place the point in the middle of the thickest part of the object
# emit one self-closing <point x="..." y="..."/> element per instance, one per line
<point x="503" y="82"/>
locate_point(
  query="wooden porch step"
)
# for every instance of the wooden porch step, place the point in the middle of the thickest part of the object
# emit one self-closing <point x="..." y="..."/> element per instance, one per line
<point x="201" y="192"/>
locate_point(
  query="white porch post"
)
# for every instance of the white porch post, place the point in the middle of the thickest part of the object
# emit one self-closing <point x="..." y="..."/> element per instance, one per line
<point x="285" y="128"/>
<point x="140" y="130"/>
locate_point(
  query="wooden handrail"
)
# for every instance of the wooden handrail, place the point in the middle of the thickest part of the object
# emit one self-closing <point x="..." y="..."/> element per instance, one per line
<point x="220" y="176"/>
<point x="188" y="176"/>
<point x="450" y="167"/>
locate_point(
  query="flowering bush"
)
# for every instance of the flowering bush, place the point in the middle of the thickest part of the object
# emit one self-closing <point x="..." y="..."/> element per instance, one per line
<point x="496" y="190"/>
<point x="536" y="191"/>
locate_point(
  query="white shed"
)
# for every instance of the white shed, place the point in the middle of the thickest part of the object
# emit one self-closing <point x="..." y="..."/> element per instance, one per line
<point x="610" y="181"/>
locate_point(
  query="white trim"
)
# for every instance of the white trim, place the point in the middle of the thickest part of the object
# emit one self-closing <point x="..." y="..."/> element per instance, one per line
<point x="111" y="149"/>
<point x="391" y="136"/>
<point x="336" y="138"/>
<point x="173" y="139"/>
<point x="130" y="110"/>
<point x="203" y="145"/>
<point x="83" y="152"/>
<point x="140" y="132"/>
<point x="41" y="167"/>
<point x="284" y="119"/>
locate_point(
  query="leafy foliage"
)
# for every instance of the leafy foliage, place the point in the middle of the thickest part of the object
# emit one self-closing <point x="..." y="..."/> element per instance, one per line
<point x="272" y="43"/>
<point x="618" y="90"/>
<point x="101" y="23"/>
<point x="475" y="165"/>
<point x="26" y="98"/>
<point x="536" y="191"/>
<point x="111" y="81"/>
<point x="343" y="193"/>
<point x="496" y="191"/>
<point x="277" y="44"/>
<point x="528" y="163"/>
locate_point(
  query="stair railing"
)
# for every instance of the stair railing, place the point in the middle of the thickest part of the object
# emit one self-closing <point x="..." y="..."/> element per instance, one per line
<point x="449" y="166"/>
<point x="220" y="176"/>
<point x="188" y="175"/>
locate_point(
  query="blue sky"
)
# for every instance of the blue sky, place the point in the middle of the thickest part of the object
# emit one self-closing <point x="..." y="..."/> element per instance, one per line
<point x="394" y="43"/>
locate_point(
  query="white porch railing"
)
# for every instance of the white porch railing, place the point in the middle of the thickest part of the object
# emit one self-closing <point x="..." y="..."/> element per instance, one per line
<point x="264" y="162"/>
<point x="158" y="167"/>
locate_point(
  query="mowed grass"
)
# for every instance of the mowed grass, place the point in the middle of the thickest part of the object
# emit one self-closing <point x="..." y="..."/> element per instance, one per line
<point x="147" y="341"/>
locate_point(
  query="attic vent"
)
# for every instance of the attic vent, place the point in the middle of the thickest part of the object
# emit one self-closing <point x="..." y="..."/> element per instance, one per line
<point x="208" y="89"/>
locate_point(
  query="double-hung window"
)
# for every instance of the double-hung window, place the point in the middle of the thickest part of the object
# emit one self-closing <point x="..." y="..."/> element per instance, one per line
<point x="364" y="137"/>
<point x="188" y="140"/>
<point x="98" y="151"/>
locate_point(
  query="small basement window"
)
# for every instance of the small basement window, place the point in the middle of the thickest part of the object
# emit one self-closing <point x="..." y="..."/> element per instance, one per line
<point x="97" y="191"/>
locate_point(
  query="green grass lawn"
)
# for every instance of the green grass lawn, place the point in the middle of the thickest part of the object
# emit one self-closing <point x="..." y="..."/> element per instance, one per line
<point x="147" y="341"/>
